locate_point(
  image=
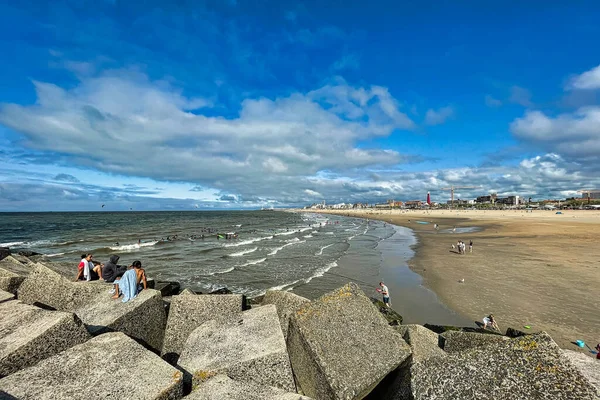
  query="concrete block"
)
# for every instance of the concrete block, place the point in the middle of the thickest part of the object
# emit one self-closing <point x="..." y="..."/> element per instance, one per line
<point x="222" y="387"/>
<point x="287" y="303"/>
<point x="588" y="366"/>
<point x="6" y="296"/>
<point x="47" y="288"/>
<point x="187" y="312"/>
<point x="423" y="342"/>
<point x="249" y="348"/>
<point x="142" y="317"/>
<point x="531" y="367"/>
<point x="341" y="347"/>
<point x="29" y="334"/>
<point x="110" y="366"/>
<point x="459" y="341"/>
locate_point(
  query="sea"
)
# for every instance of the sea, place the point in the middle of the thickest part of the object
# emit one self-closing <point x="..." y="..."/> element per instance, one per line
<point x="306" y="253"/>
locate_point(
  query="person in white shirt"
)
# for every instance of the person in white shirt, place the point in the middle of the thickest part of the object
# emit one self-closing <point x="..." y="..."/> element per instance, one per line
<point x="385" y="293"/>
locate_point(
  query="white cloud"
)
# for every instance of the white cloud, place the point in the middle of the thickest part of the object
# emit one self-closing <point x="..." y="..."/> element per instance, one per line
<point x="120" y="122"/>
<point x="433" y="117"/>
<point x="574" y="134"/>
<point x="587" y="80"/>
<point x="312" y="193"/>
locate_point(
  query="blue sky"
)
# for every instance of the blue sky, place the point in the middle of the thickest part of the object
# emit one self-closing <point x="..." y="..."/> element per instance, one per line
<point x="238" y="104"/>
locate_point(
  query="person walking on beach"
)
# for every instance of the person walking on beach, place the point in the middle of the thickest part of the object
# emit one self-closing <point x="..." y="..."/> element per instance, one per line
<point x="470" y="246"/>
<point x="385" y="293"/>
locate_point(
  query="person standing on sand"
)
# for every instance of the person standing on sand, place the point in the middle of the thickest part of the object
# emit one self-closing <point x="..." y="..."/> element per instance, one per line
<point x="470" y="246"/>
<point x="385" y="293"/>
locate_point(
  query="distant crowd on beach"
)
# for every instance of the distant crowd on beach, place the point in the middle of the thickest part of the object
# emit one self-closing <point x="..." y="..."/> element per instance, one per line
<point x="128" y="281"/>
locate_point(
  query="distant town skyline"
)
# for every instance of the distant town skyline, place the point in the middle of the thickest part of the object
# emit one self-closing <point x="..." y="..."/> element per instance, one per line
<point x="239" y="105"/>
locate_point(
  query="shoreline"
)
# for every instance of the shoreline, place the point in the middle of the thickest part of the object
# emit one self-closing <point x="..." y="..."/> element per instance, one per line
<point x="529" y="269"/>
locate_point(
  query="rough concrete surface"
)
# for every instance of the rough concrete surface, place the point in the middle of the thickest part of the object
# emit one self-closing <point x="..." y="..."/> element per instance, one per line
<point x="458" y="341"/>
<point x="423" y="342"/>
<point x="341" y="347"/>
<point x="588" y="366"/>
<point x="6" y="296"/>
<point x="48" y="288"/>
<point x="525" y="368"/>
<point x="187" y="312"/>
<point x="12" y="275"/>
<point x="250" y="347"/>
<point x="287" y="303"/>
<point x="110" y="366"/>
<point x="222" y="387"/>
<point x="20" y="267"/>
<point x="29" y="334"/>
<point x="142" y="317"/>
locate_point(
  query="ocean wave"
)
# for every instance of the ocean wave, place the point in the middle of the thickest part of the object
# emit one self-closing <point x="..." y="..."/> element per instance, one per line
<point x="321" y="271"/>
<point x="320" y="252"/>
<point x="249" y="241"/>
<point x="277" y="249"/>
<point x="225" y="271"/>
<point x="35" y="243"/>
<point x="308" y="236"/>
<point x="55" y="255"/>
<point x="9" y="244"/>
<point x="241" y="253"/>
<point x="287" y="233"/>
<point x="294" y="240"/>
<point x="136" y="246"/>
<point x="287" y="286"/>
<point x="254" y="262"/>
<point x="305" y="229"/>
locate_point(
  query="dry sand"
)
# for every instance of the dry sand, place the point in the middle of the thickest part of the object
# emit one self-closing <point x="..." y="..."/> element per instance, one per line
<point x="539" y="269"/>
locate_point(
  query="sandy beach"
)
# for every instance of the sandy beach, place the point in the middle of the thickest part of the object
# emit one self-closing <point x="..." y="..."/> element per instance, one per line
<point x="539" y="269"/>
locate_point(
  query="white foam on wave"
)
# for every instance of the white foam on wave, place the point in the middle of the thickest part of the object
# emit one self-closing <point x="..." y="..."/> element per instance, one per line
<point x="286" y="286"/>
<point x="9" y="244"/>
<point x="221" y="272"/>
<point x="136" y="246"/>
<point x="321" y="271"/>
<point x="254" y="262"/>
<point x="55" y="255"/>
<point x="249" y="241"/>
<point x="287" y="233"/>
<point x="292" y="242"/>
<point x="320" y="252"/>
<point x="243" y="252"/>
<point x="308" y="236"/>
<point x="305" y="229"/>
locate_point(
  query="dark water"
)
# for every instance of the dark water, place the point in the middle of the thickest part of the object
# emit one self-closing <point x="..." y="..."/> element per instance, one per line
<point x="310" y="254"/>
<point x="276" y="250"/>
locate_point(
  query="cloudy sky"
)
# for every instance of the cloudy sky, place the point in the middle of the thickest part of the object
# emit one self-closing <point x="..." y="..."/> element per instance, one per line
<point x="242" y="104"/>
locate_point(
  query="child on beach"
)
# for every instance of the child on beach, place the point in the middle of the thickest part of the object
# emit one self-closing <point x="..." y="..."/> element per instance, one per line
<point x="490" y="321"/>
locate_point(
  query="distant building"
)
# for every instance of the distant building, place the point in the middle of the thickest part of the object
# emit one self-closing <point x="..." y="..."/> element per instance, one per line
<point x="486" y="199"/>
<point x="414" y="204"/>
<point x="593" y="195"/>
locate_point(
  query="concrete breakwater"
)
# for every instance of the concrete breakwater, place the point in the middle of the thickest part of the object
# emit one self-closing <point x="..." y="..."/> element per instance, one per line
<point x="68" y="340"/>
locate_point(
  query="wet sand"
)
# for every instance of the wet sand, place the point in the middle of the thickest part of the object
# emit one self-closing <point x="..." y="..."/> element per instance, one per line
<point x="538" y="269"/>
